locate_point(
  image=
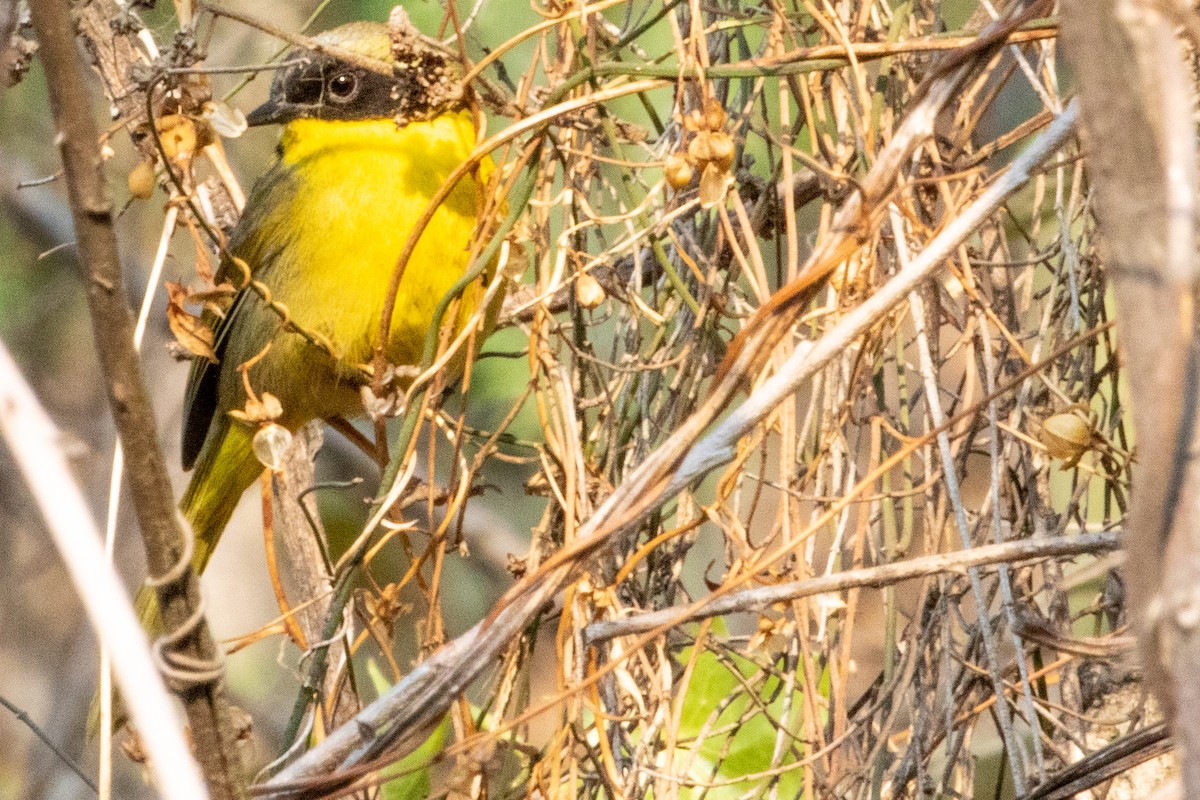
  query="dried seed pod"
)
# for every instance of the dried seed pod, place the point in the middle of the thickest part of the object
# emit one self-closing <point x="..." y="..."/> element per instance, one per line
<point x="678" y="171"/>
<point x="514" y="258"/>
<point x="1066" y="435"/>
<point x="141" y="180"/>
<point x="205" y="134"/>
<point x="847" y="274"/>
<point x="713" y="183"/>
<point x="178" y="135"/>
<point x="588" y="291"/>
<point x="258" y="410"/>
<point x="538" y="485"/>
<point x="271" y="442"/>
<point x="714" y="115"/>
<point x="226" y="120"/>
<point x="272" y="408"/>
<point x="700" y="149"/>
<point x="721" y="146"/>
<point x="712" y="147"/>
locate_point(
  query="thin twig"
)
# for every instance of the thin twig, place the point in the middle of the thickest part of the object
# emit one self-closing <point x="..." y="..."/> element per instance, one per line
<point x="28" y="722"/>
<point x="719" y="445"/>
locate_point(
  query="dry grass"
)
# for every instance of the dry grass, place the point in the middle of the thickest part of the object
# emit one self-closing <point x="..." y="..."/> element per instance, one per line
<point x="829" y="144"/>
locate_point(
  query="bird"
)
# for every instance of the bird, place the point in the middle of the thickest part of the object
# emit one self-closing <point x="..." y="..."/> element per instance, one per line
<point x="360" y="156"/>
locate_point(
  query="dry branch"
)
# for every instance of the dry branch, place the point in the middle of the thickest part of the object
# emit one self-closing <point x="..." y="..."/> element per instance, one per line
<point x="718" y="446"/>
<point x="1138" y="96"/>
<point x="875" y="577"/>
<point x="298" y="526"/>
<point x="400" y="719"/>
<point x="100" y="269"/>
<point x="859" y="216"/>
<point x="36" y="445"/>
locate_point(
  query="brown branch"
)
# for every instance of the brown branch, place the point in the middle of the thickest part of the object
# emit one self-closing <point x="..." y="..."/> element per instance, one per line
<point x="860" y="215"/>
<point x="100" y="266"/>
<point x="286" y="613"/>
<point x="112" y="55"/>
<point x="10" y="16"/>
<point x="876" y="577"/>
<point x="299" y="527"/>
<point x="1117" y="758"/>
<point x="302" y="42"/>
<point x="1138" y="95"/>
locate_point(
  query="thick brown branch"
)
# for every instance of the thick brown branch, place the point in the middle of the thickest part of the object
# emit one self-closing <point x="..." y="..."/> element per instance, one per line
<point x="100" y="265"/>
<point x="1138" y="119"/>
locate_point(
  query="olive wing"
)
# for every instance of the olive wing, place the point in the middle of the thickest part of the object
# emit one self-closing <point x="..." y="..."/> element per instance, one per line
<point x="257" y="239"/>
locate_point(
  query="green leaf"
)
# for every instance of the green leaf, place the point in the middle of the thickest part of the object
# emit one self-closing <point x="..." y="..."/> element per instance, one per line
<point x="412" y="773"/>
<point x="747" y="746"/>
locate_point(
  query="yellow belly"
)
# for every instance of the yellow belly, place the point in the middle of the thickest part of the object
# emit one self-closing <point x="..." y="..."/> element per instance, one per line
<point x="332" y="225"/>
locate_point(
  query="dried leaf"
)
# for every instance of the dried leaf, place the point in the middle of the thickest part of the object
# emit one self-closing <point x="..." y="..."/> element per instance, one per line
<point x="204" y="267"/>
<point x="257" y="411"/>
<point x="226" y="120"/>
<point x="218" y="294"/>
<point x="191" y="333"/>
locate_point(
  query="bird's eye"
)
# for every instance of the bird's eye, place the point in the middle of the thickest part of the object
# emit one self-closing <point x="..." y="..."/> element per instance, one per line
<point x="343" y="86"/>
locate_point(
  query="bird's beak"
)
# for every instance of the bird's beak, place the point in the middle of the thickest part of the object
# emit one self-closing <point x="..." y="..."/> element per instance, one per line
<point x="270" y="113"/>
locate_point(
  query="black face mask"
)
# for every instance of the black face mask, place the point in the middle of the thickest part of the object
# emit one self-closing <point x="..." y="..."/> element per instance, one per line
<point x="325" y="87"/>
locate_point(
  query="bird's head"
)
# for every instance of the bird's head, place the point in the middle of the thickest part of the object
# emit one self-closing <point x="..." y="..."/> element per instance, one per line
<point x="395" y="72"/>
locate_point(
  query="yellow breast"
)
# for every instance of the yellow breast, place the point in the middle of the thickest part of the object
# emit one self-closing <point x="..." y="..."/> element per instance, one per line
<point x="326" y="235"/>
<point x="363" y="185"/>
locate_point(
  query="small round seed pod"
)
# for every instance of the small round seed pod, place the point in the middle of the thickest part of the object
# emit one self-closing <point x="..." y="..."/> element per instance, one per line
<point x="712" y="147"/>
<point x="714" y="115"/>
<point x="178" y="135"/>
<point x="141" y="180"/>
<point x="1066" y="435"/>
<point x="271" y="442"/>
<point x="588" y="291"/>
<point x="678" y="171"/>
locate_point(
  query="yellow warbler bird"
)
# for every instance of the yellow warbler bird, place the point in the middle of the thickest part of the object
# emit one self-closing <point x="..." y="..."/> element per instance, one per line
<point x="360" y="156"/>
